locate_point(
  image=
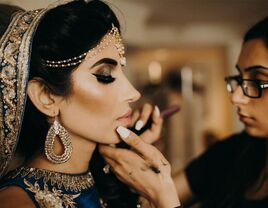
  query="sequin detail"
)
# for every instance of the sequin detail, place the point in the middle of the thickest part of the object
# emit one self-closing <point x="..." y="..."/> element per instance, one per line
<point x="75" y="183"/>
<point x="15" y="50"/>
<point x="14" y="65"/>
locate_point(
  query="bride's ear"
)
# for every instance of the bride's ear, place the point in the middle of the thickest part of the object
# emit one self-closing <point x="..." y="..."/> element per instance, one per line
<point x="42" y="98"/>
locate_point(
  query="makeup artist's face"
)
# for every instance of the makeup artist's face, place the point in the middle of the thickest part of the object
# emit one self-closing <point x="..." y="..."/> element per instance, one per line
<point x="253" y="64"/>
<point x="100" y="98"/>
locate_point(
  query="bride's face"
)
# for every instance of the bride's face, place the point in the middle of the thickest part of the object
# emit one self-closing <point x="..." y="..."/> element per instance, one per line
<point x="100" y="98"/>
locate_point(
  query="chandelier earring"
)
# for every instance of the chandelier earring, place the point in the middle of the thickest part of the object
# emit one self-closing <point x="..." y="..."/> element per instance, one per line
<point x="56" y="130"/>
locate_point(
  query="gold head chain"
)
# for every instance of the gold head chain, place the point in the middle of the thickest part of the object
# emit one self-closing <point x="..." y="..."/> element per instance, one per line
<point x="112" y="35"/>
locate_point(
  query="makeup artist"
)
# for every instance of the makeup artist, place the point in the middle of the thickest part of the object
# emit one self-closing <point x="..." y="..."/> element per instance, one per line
<point x="233" y="173"/>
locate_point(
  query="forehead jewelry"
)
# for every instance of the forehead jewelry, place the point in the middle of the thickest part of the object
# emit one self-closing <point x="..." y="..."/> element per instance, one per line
<point x="112" y="35"/>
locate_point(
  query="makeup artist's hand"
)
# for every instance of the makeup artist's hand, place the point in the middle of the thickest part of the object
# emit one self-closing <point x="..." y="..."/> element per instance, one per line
<point x="145" y="169"/>
<point x="141" y="117"/>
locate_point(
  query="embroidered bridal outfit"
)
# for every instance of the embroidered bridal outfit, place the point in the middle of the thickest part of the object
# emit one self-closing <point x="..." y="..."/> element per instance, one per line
<point x="46" y="188"/>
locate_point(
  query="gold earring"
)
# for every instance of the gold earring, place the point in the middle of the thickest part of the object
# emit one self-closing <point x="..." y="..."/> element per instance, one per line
<point x="55" y="130"/>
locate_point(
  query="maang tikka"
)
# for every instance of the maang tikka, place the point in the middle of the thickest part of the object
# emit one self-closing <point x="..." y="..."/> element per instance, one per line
<point x="112" y="36"/>
<point x="57" y="130"/>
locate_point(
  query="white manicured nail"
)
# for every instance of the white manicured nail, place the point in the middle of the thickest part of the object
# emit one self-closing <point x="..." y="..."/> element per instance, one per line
<point x="157" y="111"/>
<point x="139" y="125"/>
<point x="123" y="132"/>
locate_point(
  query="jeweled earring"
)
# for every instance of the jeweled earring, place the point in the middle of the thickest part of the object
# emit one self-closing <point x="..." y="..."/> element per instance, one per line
<point x="57" y="130"/>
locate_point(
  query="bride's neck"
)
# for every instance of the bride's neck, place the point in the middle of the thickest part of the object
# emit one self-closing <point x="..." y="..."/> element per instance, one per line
<point x="78" y="163"/>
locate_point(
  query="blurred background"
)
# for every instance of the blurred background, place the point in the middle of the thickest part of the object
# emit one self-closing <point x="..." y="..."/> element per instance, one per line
<point x="178" y="52"/>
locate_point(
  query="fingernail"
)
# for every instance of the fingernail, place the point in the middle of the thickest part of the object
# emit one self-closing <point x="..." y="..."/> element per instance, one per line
<point x="112" y="145"/>
<point x="157" y="111"/>
<point x="139" y="125"/>
<point x="123" y="132"/>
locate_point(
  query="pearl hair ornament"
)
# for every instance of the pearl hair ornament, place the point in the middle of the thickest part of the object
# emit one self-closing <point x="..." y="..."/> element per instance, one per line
<point x="113" y="34"/>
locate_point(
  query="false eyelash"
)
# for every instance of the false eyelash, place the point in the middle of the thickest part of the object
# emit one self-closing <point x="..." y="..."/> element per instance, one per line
<point x="104" y="79"/>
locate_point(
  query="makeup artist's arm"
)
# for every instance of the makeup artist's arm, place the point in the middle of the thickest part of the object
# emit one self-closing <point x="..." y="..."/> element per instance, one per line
<point x="183" y="188"/>
<point x="146" y="169"/>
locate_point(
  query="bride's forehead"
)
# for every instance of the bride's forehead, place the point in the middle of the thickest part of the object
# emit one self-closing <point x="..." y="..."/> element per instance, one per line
<point x="111" y="39"/>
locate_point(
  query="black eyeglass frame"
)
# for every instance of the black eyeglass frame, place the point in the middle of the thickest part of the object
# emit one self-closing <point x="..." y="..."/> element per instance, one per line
<point x="261" y="84"/>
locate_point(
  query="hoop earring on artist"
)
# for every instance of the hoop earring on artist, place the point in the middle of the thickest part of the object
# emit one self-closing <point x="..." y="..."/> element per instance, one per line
<point x="57" y="130"/>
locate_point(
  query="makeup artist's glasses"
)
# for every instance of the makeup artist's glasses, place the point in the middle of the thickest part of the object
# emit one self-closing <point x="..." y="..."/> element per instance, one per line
<point x="251" y="87"/>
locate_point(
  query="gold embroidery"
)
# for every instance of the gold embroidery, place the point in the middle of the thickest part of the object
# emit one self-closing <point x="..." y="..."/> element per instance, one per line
<point x="15" y="49"/>
<point x="14" y="65"/>
<point x="51" y="198"/>
<point x="75" y="183"/>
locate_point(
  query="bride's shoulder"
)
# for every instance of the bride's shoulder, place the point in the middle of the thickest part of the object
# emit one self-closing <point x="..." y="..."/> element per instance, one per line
<point x="14" y="196"/>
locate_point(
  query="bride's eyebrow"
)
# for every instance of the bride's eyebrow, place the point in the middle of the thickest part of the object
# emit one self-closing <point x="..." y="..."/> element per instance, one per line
<point x="105" y="61"/>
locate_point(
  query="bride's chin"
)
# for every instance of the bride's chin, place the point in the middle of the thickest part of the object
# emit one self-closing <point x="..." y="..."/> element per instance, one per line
<point x="114" y="139"/>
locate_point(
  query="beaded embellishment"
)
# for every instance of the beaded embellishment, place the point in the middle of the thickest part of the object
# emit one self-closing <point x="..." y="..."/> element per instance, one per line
<point x="57" y="129"/>
<point x="74" y="183"/>
<point x="14" y="69"/>
<point x="50" y="194"/>
<point x="112" y="35"/>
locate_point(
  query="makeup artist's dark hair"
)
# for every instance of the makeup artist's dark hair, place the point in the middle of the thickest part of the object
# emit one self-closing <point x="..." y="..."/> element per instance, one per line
<point x="259" y="30"/>
<point x="68" y="31"/>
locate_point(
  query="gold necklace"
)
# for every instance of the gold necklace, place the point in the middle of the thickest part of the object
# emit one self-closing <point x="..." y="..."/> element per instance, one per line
<point x="72" y="182"/>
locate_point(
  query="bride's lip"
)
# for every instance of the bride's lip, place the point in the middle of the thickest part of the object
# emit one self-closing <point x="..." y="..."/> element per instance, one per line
<point x="126" y="115"/>
<point x="125" y="119"/>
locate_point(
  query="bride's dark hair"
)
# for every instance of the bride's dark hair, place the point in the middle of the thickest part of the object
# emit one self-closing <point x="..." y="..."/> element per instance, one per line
<point x="68" y="31"/>
<point x="6" y="14"/>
